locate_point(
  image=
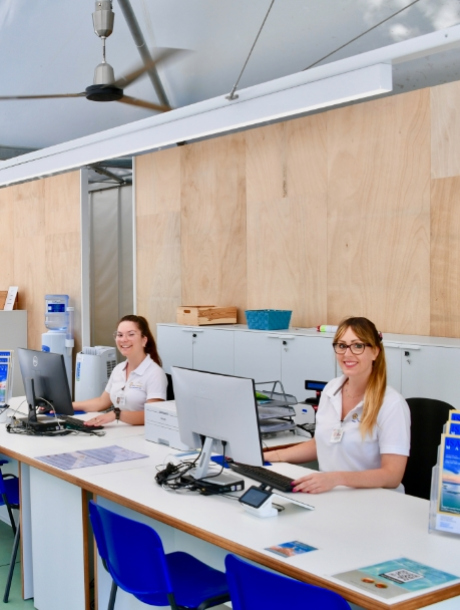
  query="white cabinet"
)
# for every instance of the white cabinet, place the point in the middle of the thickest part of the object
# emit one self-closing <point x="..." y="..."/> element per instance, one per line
<point x="290" y="358"/>
<point x="428" y="371"/>
<point x="13" y="334"/>
<point x="204" y="349"/>
<point x="417" y="366"/>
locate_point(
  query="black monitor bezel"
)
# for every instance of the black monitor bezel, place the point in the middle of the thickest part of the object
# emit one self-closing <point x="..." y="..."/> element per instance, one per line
<point x="48" y="372"/>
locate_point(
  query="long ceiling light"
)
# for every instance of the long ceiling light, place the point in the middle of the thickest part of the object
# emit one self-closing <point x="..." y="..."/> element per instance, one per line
<point x="284" y="97"/>
<point x="353" y="78"/>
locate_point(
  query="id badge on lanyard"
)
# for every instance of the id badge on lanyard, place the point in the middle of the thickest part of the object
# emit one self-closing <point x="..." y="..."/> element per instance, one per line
<point x="120" y="398"/>
<point x="337" y="434"/>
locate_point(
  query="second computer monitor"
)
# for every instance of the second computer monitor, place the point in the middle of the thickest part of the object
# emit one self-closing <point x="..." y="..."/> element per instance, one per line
<point x="218" y="408"/>
<point x="50" y="385"/>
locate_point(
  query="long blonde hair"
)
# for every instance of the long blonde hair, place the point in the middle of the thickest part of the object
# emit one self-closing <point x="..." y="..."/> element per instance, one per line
<point x="366" y="331"/>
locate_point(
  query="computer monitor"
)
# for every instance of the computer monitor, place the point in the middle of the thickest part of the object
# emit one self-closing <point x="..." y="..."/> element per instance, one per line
<point x="212" y="408"/>
<point x="45" y="382"/>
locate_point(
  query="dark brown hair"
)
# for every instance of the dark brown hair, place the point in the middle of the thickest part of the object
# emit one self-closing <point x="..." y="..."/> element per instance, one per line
<point x="366" y="331"/>
<point x="142" y="324"/>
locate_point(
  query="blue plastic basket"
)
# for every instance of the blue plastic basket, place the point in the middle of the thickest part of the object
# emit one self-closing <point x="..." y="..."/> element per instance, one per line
<point x="268" y="319"/>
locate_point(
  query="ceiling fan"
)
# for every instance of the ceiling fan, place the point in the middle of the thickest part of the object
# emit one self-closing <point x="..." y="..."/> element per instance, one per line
<point x="105" y="88"/>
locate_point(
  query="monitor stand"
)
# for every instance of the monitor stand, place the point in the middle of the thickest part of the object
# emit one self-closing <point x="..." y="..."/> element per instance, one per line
<point x="32" y="422"/>
<point x="224" y="482"/>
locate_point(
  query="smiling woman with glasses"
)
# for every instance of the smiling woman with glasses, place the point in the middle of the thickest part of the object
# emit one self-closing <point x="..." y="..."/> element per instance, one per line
<point x="362" y="436"/>
<point x="138" y="380"/>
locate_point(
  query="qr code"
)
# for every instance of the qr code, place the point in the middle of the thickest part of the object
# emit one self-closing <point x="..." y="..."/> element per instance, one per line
<point x="401" y="576"/>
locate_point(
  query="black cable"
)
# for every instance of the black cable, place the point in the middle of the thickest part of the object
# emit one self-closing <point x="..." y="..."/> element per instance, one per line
<point x="362" y="34"/>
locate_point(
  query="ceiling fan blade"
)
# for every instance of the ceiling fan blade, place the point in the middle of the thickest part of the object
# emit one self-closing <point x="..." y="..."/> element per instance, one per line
<point x="159" y="58"/>
<point x="133" y="101"/>
<point x="41" y="97"/>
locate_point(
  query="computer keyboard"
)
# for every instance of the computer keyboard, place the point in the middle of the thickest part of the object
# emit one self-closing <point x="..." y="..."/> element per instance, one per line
<point x="263" y="475"/>
<point x="73" y="423"/>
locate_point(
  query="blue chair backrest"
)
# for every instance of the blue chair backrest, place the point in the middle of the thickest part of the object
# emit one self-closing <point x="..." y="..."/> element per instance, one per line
<point x="2" y="487"/>
<point x="253" y="588"/>
<point x="133" y="553"/>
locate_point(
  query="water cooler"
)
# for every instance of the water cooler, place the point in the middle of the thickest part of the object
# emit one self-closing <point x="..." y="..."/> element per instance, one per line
<point x="59" y="322"/>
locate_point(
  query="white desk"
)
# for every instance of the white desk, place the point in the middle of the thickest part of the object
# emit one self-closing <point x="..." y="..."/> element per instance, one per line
<point x="350" y="528"/>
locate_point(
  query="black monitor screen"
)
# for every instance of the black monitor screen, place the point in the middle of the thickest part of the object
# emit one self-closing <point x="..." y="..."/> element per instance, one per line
<point x="45" y="380"/>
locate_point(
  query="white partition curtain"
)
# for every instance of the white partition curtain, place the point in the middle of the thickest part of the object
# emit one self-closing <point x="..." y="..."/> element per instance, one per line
<point x="111" y="260"/>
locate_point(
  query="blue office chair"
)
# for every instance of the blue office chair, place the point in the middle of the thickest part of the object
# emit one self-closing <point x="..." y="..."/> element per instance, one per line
<point x="134" y="556"/>
<point x="9" y="497"/>
<point x="253" y="588"/>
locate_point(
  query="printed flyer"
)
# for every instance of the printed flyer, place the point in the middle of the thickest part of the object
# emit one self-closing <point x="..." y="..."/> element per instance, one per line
<point x="392" y="578"/>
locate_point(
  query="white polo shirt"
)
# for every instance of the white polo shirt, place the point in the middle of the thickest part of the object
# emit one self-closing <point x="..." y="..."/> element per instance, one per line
<point x="391" y="434"/>
<point x="147" y="381"/>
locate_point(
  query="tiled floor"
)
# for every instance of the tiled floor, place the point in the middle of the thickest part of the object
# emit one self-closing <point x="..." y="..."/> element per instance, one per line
<point x="6" y="545"/>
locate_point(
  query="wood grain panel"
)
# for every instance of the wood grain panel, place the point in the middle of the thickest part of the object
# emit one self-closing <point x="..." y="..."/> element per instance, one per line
<point x="379" y="213"/>
<point x="157" y="191"/>
<point x="45" y="225"/>
<point x="445" y="130"/>
<point x="158" y="264"/>
<point x="213" y="223"/>
<point x="62" y="206"/>
<point x="287" y="254"/>
<point x="306" y="166"/>
<point x="7" y="243"/>
<point x="158" y="182"/>
<point x="445" y="257"/>
<point x="265" y="163"/>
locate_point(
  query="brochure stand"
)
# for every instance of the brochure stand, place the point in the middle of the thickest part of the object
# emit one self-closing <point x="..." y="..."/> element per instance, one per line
<point x="444" y="517"/>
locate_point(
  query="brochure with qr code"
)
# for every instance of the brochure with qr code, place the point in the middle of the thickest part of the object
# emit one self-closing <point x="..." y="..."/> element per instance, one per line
<point x="392" y="578"/>
<point x="289" y="549"/>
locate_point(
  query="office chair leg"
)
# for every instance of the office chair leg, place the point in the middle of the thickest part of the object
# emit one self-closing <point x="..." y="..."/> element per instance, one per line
<point x="113" y="595"/>
<point x="11" y="570"/>
<point x="10" y="513"/>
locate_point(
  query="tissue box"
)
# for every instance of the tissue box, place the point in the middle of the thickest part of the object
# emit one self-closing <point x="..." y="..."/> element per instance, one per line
<point x="199" y="315"/>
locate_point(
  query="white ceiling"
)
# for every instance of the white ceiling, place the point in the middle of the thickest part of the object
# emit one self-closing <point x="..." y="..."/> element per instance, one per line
<point x="50" y="47"/>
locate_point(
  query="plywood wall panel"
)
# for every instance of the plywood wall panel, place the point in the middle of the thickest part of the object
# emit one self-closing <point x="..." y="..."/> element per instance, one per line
<point x="379" y="213"/>
<point x="445" y="257"/>
<point x="265" y="163"/>
<point x="445" y="131"/>
<point x="158" y="188"/>
<point x="306" y="156"/>
<point x="7" y="242"/>
<point x="46" y="250"/>
<point x="287" y="236"/>
<point x="213" y="223"/>
<point x="158" y="181"/>
<point x="62" y="214"/>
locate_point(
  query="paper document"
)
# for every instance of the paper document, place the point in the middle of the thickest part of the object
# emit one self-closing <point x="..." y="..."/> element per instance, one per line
<point x="91" y="457"/>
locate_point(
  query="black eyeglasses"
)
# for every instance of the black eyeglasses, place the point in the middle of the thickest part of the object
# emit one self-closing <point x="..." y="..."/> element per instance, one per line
<point x="355" y="348"/>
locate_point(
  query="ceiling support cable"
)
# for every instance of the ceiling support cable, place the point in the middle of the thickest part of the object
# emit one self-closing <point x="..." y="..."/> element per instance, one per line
<point x="144" y="52"/>
<point x="359" y="35"/>
<point x="232" y="95"/>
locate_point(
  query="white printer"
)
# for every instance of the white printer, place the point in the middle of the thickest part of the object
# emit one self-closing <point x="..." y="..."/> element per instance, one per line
<point x="161" y="424"/>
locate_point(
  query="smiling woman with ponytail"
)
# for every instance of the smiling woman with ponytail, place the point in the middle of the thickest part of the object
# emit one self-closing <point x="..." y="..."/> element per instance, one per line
<point x="362" y="436"/>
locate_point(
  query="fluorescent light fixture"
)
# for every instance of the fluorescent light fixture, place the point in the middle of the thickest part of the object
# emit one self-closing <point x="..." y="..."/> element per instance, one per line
<point x="288" y="96"/>
<point x="352" y="78"/>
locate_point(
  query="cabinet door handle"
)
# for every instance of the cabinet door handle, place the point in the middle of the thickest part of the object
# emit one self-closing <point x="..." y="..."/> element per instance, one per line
<point x="281" y="336"/>
<point x="192" y="330"/>
<point x="409" y="347"/>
